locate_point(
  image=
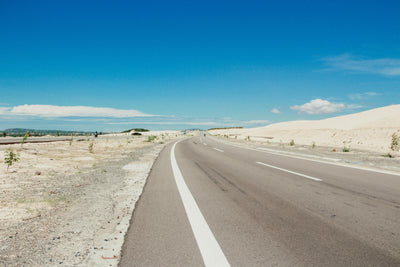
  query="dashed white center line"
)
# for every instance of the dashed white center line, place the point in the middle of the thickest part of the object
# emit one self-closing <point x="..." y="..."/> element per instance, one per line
<point x="292" y="172"/>
<point x="218" y="149"/>
<point x="209" y="248"/>
<point x="205" y="144"/>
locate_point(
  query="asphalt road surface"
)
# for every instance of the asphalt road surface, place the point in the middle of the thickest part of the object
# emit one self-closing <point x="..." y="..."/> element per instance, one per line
<point x="17" y="140"/>
<point x="214" y="204"/>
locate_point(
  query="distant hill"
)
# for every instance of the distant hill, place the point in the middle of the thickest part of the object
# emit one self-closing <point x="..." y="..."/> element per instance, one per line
<point x="370" y="130"/>
<point x="136" y="130"/>
<point x="21" y="132"/>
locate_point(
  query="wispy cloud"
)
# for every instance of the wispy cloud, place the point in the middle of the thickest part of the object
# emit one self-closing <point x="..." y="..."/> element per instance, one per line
<point x="101" y="117"/>
<point x="383" y="66"/>
<point x="275" y="111"/>
<point x="318" y="106"/>
<point x="359" y="96"/>
<point x="51" y="111"/>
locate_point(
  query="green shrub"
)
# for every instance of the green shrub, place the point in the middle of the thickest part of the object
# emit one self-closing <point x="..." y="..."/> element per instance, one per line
<point x="91" y="147"/>
<point x="313" y="145"/>
<point x="291" y="142"/>
<point x="395" y="144"/>
<point x="10" y="157"/>
<point x="24" y="138"/>
<point x="151" y="138"/>
<point x="346" y="149"/>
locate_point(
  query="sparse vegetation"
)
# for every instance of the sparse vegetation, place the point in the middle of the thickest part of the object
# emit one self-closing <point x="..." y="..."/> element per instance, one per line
<point x="395" y="144"/>
<point x="72" y="139"/>
<point x="151" y="138"/>
<point x="24" y="138"/>
<point x="291" y="142"/>
<point x="247" y="138"/>
<point x="91" y="147"/>
<point x="313" y="145"/>
<point x="4" y="134"/>
<point x="346" y="149"/>
<point x="10" y="157"/>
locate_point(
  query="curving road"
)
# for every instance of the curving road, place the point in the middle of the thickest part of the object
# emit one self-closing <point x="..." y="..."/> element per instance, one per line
<point x="210" y="203"/>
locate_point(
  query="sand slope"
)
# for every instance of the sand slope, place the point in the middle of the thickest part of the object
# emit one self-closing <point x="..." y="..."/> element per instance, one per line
<point x="369" y="130"/>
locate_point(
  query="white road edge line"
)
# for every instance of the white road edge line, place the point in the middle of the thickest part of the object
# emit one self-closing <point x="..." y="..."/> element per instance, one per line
<point x="218" y="149"/>
<point x="209" y="248"/>
<point x="315" y="160"/>
<point x="292" y="172"/>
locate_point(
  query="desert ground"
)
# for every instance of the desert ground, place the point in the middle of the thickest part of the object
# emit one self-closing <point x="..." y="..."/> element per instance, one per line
<point x="363" y="138"/>
<point x="70" y="202"/>
<point x="369" y="131"/>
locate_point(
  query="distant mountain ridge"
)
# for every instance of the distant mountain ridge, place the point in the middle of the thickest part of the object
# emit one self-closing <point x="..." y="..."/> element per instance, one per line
<point x="34" y="132"/>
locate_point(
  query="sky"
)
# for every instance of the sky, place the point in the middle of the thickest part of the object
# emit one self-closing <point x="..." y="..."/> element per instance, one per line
<point x="116" y="65"/>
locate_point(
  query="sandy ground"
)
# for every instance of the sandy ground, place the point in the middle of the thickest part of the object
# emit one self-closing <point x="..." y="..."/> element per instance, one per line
<point x="64" y="204"/>
<point x="367" y="131"/>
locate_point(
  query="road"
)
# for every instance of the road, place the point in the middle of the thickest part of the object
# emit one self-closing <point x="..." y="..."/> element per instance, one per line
<point x="17" y="140"/>
<point x="214" y="204"/>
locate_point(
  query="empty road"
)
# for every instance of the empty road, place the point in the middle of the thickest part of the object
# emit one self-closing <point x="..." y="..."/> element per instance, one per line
<point x="208" y="203"/>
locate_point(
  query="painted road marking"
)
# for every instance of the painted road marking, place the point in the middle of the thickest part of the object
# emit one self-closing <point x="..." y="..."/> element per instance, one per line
<point x="292" y="172"/>
<point x="218" y="149"/>
<point x="334" y="163"/>
<point x="205" y="144"/>
<point x="209" y="248"/>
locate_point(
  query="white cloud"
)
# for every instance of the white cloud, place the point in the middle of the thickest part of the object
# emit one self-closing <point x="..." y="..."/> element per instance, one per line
<point x="51" y="111"/>
<point x="360" y="96"/>
<point x="319" y="106"/>
<point x="383" y="66"/>
<point x="275" y="110"/>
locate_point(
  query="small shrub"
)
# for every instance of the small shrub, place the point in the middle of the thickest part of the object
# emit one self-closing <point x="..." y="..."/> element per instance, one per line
<point x="345" y="147"/>
<point x="291" y="143"/>
<point x="151" y="138"/>
<point x="91" y="147"/>
<point x="24" y="138"/>
<point x="10" y="157"/>
<point x="313" y="145"/>
<point x="395" y="144"/>
<point x="4" y="134"/>
<point x="72" y="139"/>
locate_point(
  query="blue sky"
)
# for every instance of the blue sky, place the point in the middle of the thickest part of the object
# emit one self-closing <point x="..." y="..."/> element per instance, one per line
<point x="114" y="65"/>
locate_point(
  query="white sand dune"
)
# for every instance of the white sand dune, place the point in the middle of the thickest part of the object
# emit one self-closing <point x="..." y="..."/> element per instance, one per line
<point x="369" y="130"/>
